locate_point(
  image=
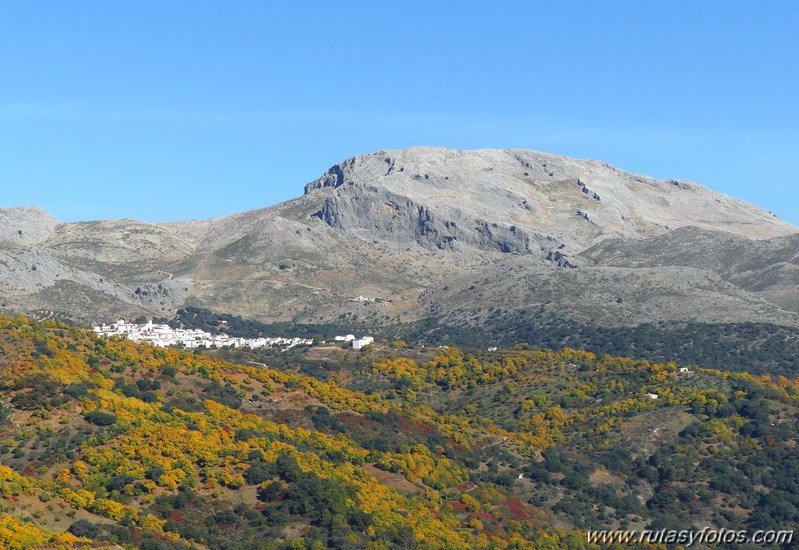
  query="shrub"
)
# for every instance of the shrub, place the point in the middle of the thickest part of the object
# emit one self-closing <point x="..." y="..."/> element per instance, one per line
<point x="83" y="528"/>
<point x="101" y="418"/>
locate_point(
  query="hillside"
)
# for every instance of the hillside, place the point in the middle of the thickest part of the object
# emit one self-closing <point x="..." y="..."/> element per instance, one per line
<point x="387" y="447"/>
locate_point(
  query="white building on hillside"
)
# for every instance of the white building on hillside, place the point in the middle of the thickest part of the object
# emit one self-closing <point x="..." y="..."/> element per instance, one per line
<point x="361" y="342"/>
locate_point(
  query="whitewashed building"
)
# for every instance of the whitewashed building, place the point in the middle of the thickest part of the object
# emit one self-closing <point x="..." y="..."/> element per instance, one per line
<point x="361" y="342"/>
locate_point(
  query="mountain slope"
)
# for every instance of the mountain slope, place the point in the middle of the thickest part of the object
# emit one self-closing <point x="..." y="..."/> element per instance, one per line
<point x="767" y="267"/>
<point x="417" y="447"/>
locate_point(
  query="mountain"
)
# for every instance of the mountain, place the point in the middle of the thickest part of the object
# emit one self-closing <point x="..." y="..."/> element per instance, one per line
<point x="427" y="233"/>
<point x="513" y="200"/>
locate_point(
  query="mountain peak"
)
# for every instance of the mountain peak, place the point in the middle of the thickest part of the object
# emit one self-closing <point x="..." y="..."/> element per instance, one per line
<point x="519" y="201"/>
<point x="26" y="225"/>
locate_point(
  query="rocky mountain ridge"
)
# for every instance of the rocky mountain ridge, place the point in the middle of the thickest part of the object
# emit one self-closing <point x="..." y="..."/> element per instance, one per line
<point x="402" y="227"/>
<point x="575" y="203"/>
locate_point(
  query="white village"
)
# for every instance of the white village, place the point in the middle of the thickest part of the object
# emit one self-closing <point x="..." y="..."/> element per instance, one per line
<point x="166" y="336"/>
<point x="163" y="335"/>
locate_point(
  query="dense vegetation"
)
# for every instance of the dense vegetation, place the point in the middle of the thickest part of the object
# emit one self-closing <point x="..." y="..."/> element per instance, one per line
<point x="235" y="325"/>
<point x="759" y="348"/>
<point x="398" y="446"/>
<point x="750" y="347"/>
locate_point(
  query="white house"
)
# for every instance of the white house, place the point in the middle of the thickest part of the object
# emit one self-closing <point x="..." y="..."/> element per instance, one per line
<point x="361" y="342"/>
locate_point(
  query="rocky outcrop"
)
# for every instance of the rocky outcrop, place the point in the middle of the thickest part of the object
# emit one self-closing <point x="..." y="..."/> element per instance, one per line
<point x="371" y="212"/>
<point x="32" y="270"/>
<point x="25" y="225"/>
<point x="517" y="201"/>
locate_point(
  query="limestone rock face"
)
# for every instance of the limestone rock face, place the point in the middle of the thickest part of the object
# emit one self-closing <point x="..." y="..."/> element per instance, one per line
<point x="518" y="201"/>
<point x="374" y="213"/>
<point x="427" y="232"/>
<point x="25" y="225"/>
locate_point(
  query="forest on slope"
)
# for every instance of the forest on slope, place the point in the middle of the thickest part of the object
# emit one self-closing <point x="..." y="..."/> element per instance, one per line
<point x="391" y="446"/>
<point x="760" y="348"/>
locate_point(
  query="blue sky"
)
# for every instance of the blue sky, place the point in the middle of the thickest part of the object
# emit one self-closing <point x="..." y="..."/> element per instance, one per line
<point x="180" y="110"/>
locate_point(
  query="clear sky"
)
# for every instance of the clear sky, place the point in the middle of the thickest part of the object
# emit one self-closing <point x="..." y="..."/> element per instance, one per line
<point x="170" y="110"/>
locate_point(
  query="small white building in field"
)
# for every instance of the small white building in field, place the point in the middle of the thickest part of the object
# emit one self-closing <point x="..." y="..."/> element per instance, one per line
<point x="361" y="342"/>
<point x="347" y="338"/>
